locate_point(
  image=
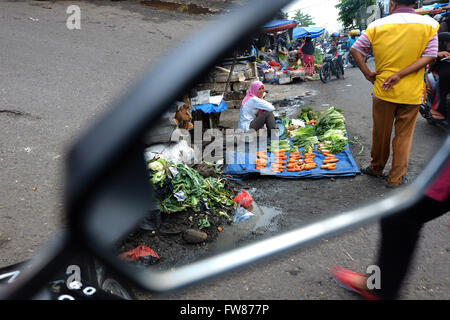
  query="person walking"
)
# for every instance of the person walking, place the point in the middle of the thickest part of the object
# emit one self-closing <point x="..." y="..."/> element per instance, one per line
<point x="399" y="237"/>
<point x="403" y="43"/>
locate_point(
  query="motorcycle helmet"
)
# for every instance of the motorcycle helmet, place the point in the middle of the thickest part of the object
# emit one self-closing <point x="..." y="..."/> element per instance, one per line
<point x="335" y="34"/>
<point x="353" y="33"/>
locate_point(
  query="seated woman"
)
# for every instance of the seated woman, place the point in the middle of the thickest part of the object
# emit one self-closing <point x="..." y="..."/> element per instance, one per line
<point x="256" y="112"/>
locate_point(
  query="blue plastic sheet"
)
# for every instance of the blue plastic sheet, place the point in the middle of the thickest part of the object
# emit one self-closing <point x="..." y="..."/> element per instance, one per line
<point x="240" y="164"/>
<point x="210" y="107"/>
<point x="302" y="32"/>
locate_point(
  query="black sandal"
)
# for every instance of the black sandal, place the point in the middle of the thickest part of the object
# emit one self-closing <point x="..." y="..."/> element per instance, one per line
<point x="369" y="172"/>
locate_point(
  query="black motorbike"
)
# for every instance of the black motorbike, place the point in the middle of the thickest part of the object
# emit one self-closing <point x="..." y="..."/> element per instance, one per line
<point x="432" y="92"/>
<point x="351" y="61"/>
<point x="330" y="67"/>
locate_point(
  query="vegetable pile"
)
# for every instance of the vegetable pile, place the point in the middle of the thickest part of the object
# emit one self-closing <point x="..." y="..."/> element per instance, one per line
<point x="331" y="130"/>
<point x="326" y="130"/>
<point x="179" y="188"/>
<point x="307" y="115"/>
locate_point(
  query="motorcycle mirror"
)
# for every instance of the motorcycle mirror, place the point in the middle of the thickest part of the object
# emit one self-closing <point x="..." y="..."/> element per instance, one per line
<point x="107" y="191"/>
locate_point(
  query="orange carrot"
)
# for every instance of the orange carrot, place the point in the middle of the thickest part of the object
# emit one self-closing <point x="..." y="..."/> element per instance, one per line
<point x="330" y="161"/>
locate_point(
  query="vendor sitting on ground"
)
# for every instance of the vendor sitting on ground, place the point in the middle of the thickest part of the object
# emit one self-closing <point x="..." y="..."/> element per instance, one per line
<point x="256" y="112"/>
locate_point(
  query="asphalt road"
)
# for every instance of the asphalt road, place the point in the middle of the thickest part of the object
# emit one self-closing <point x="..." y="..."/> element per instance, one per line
<point x="55" y="82"/>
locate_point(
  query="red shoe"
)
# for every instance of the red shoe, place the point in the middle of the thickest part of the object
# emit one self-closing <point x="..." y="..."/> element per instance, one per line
<point x="343" y="279"/>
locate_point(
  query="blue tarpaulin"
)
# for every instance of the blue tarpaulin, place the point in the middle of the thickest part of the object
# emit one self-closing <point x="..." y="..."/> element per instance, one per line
<point x="210" y="107"/>
<point x="240" y="164"/>
<point x="302" y="32"/>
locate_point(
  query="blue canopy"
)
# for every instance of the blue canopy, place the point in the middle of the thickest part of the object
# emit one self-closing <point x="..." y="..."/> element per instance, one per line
<point x="302" y="32"/>
<point x="278" y="25"/>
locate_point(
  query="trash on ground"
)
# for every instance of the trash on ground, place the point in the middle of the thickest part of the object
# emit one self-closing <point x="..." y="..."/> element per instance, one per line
<point x="142" y="255"/>
<point x="243" y="199"/>
<point x="179" y="152"/>
<point x="241" y="214"/>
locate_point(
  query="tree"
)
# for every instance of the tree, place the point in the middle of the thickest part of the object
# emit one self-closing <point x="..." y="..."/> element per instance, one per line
<point x="304" y="18"/>
<point x="350" y="12"/>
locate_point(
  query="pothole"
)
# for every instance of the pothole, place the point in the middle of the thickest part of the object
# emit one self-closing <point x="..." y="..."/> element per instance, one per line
<point x="17" y="114"/>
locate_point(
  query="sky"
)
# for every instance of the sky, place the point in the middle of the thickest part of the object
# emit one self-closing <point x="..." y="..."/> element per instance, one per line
<point x="323" y="12"/>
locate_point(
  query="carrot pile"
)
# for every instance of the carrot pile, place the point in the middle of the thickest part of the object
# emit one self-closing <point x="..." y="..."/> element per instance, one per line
<point x="261" y="160"/>
<point x="329" y="162"/>
<point x="279" y="163"/>
<point x="294" y="161"/>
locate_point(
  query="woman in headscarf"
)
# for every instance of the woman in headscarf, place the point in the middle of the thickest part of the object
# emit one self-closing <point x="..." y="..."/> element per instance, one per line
<point x="308" y="56"/>
<point x="256" y="112"/>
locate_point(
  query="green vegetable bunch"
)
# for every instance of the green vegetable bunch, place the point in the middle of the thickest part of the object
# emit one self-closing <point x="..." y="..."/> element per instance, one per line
<point x="278" y="145"/>
<point x="331" y="118"/>
<point x="199" y="191"/>
<point x="334" y="140"/>
<point x="308" y="114"/>
<point x="305" y="138"/>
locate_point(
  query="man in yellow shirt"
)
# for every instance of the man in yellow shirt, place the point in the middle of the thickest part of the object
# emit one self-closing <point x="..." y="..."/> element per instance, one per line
<point x="403" y="43"/>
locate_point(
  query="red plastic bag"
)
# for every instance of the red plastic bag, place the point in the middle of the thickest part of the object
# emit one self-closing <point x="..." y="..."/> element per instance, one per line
<point x="138" y="253"/>
<point x="243" y="199"/>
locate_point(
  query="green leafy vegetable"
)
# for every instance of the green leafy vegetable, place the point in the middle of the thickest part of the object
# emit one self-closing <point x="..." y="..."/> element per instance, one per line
<point x="199" y="191"/>
<point x="308" y="114"/>
<point x="331" y="118"/>
<point x="204" y="223"/>
<point x="278" y="145"/>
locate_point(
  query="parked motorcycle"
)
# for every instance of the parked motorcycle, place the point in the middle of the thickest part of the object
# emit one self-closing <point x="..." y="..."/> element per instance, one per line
<point x="330" y="67"/>
<point x="351" y="61"/>
<point x="433" y="94"/>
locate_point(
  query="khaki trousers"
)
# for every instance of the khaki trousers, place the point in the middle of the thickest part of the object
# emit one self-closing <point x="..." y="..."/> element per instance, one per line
<point x="403" y="118"/>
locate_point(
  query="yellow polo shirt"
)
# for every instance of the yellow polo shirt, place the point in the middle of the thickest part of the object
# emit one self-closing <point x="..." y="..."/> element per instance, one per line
<point x="398" y="41"/>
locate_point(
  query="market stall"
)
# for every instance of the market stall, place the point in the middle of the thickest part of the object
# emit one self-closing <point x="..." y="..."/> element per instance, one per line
<point x="315" y="146"/>
<point x="208" y="109"/>
<point x="437" y="8"/>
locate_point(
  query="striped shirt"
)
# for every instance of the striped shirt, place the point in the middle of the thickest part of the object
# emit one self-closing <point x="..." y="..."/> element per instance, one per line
<point x="398" y="41"/>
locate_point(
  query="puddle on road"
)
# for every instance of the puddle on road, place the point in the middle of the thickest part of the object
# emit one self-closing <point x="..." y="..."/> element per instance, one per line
<point x="184" y="8"/>
<point x="259" y="223"/>
<point x="291" y="107"/>
<point x="263" y="217"/>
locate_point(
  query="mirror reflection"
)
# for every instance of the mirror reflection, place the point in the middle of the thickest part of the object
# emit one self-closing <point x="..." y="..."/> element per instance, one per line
<point x="276" y="135"/>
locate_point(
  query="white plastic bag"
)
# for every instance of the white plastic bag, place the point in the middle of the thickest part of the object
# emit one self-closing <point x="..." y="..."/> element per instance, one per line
<point x="179" y="152"/>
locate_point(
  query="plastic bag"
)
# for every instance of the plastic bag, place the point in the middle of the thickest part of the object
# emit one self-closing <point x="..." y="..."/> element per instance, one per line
<point x="243" y="199"/>
<point x="141" y="254"/>
<point x="179" y="152"/>
<point x="241" y="214"/>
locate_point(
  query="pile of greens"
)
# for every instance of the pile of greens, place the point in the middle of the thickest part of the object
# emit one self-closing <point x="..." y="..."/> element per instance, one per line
<point x="305" y="138"/>
<point x="188" y="189"/>
<point x="308" y="114"/>
<point x="278" y="145"/>
<point x="334" y="140"/>
<point x="331" y="118"/>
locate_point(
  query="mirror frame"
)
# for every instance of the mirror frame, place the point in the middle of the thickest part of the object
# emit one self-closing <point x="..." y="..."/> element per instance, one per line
<point x="107" y="157"/>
